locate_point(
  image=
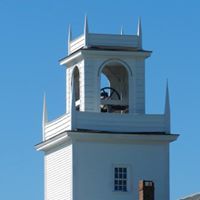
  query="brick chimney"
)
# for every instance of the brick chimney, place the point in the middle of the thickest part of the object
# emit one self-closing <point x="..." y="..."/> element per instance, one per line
<point x="146" y="190"/>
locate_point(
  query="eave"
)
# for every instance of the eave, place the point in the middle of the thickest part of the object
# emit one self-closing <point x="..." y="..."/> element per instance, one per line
<point x="104" y="51"/>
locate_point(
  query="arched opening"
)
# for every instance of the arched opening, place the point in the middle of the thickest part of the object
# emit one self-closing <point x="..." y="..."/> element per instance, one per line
<point x="114" y="88"/>
<point x="76" y="77"/>
<point x="104" y="81"/>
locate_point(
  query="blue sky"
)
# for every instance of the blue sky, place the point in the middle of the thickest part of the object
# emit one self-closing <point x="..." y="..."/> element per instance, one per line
<point x="33" y="37"/>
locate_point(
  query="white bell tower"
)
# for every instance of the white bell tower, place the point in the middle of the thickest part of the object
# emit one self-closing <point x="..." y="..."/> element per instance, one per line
<point x="119" y="57"/>
<point x="106" y="143"/>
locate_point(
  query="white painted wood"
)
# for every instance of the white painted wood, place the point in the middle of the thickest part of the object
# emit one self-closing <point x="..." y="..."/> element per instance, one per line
<point x="139" y="33"/>
<point x="91" y="90"/>
<point x="58" y="173"/>
<point x="68" y="88"/>
<point x="81" y="147"/>
<point x="69" y="38"/>
<point x="96" y="153"/>
<point x="90" y="64"/>
<point x="113" y="40"/>
<point x="113" y="122"/>
<point x="82" y="85"/>
<point x="93" y="39"/>
<point x="167" y="110"/>
<point x="86" y="30"/>
<point x="44" y="117"/>
<point x="77" y="44"/>
<point x="57" y="126"/>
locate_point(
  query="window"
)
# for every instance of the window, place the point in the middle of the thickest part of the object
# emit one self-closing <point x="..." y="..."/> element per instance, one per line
<point x="120" y="179"/>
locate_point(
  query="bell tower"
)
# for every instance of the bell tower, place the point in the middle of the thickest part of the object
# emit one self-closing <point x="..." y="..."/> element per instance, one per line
<point x="120" y="58"/>
<point x="105" y="143"/>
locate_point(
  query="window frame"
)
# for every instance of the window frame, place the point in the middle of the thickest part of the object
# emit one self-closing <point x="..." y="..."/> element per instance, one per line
<point x="127" y="167"/>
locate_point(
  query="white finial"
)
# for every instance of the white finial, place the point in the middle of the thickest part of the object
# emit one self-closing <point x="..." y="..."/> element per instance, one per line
<point x="69" y="38"/>
<point x="122" y="30"/>
<point x="86" y="30"/>
<point x="44" y="115"/>
<point x="139" y="32"/>
<point x="167" y="109"/>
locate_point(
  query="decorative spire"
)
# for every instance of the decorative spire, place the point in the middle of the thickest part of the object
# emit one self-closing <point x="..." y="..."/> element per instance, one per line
<point x="86" y="30"/>
<point x="167" y="108"/>
<point x="122" y="30"/>
<point x="69" y="38"/>
<point x="139" y="32"/>
<point x="44" y="115"/>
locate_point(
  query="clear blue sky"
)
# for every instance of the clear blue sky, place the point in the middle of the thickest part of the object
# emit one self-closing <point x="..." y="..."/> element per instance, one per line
<point x="33" y="37"/>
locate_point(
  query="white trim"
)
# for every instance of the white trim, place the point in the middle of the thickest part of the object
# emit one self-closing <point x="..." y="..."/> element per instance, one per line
<point x="106" y="137"/>
<point x="117" y="54"/>
<point x="61" y="138"/>
<point x="70" y="58"/>
<point x="120" y="61"/>
<point x="123" y="137"/>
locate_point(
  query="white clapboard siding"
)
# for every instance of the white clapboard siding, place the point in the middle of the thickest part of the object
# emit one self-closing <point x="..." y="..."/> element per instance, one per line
<point x="82" y="85"/>
<point x="58" y="173"/>
<point x="92" y="93"/>
<point x="93" y="39"/>
<point x="120" y="122"/>
<point x="112" y="40"/>
<point x="68" y="87"/>
<point x="57" y="126"/>
<point x="77" y="44"/>
<point x="140" y="88"/>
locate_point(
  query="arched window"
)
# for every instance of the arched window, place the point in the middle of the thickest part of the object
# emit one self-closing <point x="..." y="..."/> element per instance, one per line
<point x="114" y="88"/>
<point x="76" y="78"/>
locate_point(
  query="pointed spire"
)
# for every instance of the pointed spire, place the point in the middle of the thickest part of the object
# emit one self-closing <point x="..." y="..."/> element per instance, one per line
<point x="139" y="32"/>
<point x="122" y="30"/>
<point x="69" y="38"/>
<point x="44" y="115"/>
<point x="167" y="103"/>
<point x="167" y="108"/>
<point x="69" y="34"/>
<point x="86" y="30"/>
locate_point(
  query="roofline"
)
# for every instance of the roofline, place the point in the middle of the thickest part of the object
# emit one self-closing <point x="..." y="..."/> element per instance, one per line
<point x="67" y="59"/>
<point x="88" y="135"/>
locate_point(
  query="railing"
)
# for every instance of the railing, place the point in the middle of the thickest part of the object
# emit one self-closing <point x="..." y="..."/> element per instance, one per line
<point x="57" y="126"/>
<point x="116" y="122"/>
<point x="109" y="122"/>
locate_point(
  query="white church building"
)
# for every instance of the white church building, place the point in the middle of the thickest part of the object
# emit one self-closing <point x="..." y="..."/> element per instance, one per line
<point x="106" y="143"/>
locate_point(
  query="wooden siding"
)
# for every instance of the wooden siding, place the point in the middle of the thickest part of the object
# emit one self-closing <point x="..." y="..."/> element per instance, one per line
<point x="114" y="122"/>
<point x="57" y="126"/>
<point x="82" y="85"/>
<point x="58" y="173"/>
<point x="92" y="92"/>
<point x="120" y="122"/>
<point x="93" y="39"/>
<point x="68" y="87"/>
<point x="139" y="80"/>
<point x="112" y="40"/>
<point x="77" y="44"/>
